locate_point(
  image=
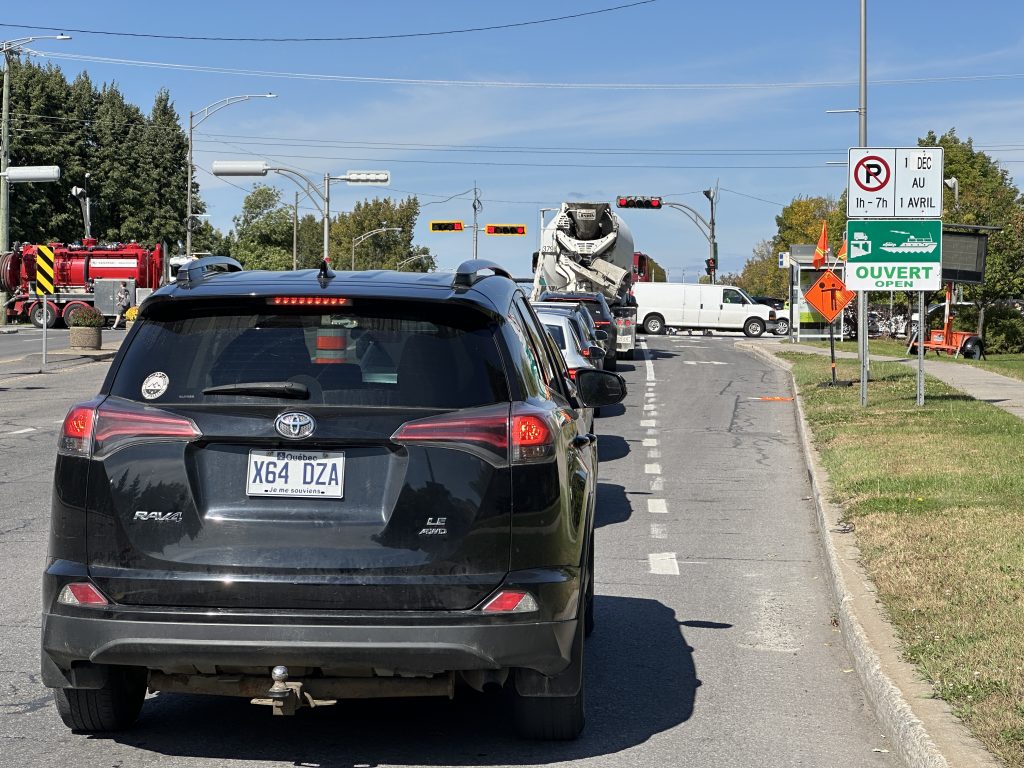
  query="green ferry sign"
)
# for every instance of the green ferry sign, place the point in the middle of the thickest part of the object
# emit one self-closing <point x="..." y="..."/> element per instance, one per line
<point x="894" y="255"/>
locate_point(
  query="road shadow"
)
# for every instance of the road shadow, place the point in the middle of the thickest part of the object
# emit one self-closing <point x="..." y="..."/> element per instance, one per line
<point x="621" y="367"/>
<point x="612" y="505"/>
<point x="639" y="684"/>
<point x="611" y="447"/>
<point x="615" y="409"/>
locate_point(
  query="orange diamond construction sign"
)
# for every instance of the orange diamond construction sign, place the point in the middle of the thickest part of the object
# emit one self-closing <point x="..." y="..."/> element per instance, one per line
<point x="829" y="295"/>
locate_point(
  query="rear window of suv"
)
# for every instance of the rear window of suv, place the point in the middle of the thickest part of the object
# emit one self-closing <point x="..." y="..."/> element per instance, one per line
<point x="374" y="353"/>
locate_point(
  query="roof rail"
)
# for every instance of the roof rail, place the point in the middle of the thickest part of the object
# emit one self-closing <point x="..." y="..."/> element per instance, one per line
<point x="196" y="271"/>
<point x="468" y="272"/>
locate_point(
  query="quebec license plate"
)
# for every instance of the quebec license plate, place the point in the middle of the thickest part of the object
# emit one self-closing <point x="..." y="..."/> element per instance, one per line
<point x="296" y="473"/>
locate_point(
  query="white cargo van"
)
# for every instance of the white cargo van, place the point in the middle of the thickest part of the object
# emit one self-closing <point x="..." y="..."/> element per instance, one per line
<point x="700" y="307"/>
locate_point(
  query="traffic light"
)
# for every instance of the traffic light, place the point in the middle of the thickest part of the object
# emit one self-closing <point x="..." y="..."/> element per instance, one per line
<point x="709" y="266"/>
<point x="446" y="226"/>
<point x="634" y="201"/>
<point x="505" y="229"/>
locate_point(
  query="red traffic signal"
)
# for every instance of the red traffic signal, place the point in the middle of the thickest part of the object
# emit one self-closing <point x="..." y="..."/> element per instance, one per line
<point x="446" y="226"/>
<point x="709" y="266"/>
<point x="634" y="201"/>
<point x="505" y="229"/>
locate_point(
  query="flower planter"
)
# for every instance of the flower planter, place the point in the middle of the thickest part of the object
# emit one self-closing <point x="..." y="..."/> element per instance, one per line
<point x="86" y="338"/>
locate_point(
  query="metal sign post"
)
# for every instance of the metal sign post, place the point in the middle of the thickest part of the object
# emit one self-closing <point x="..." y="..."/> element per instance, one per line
<point x="45" y="283"/>
<point x="921" y="325"/>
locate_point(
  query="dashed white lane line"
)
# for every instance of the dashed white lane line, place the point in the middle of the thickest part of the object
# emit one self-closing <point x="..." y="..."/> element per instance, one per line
<point x="654" y="453"/>
<point x="658" y="531"/>
<point x="663" y="563"/>
<point x="649" y="406"/>
<point x="652" y="469"/>
<point x="650" y="442"/>
<point x="21" y="431"/>
<point x="657" y="485"/>
<point x="648" y="360"/>
<point x="649" y="423"/>
<point x="657" y="506"/>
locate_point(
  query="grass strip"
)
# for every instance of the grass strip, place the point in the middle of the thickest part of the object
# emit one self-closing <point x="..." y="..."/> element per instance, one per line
<point x="936" y="495"/>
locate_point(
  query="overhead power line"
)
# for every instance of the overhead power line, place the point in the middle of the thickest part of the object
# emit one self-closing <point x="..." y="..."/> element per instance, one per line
<point x="349" y="39"/>
<point x="516" y="84"/>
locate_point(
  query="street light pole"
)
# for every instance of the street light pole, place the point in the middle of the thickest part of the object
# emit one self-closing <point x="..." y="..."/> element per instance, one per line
<point x="207" y="112"/>
<point x="7" y="49"/>
<point x="262" y="168"/>
<point x="366" y="236"/>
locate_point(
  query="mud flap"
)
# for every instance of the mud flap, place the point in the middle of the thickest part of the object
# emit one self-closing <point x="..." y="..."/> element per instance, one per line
<point x="530" y="682"/>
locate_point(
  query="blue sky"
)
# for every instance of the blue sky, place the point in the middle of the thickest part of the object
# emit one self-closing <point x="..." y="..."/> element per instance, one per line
<point x="759" y="78"/>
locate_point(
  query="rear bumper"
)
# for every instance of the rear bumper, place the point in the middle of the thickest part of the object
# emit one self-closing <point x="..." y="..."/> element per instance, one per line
<point x="77" y="642"/>
<point x="68" y="641"/>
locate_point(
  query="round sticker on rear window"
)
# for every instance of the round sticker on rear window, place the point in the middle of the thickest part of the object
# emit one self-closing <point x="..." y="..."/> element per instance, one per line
<point x="155" y="385"/>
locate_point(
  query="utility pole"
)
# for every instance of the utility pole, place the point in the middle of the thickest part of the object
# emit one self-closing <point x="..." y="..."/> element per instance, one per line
<point x="477" y="207"/>
<point x="295" y="233"/>
<point x="5" y="155"/>
<point x="712" y="195"/>
<point x="862" y="296"/>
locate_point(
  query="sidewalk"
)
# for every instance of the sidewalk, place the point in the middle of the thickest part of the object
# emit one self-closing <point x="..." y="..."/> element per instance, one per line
<point x="1001" y="391"/>
<point x="58" y="360"/>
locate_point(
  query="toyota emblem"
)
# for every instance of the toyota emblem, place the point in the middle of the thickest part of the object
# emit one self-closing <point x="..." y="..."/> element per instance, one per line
<point x="295" y="425"/>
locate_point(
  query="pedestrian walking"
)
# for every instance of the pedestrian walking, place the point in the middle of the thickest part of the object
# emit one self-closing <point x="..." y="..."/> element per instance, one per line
<point x="122" y="301"/>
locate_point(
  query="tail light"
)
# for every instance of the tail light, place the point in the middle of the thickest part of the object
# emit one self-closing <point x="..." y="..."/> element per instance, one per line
<point x="82" y="593"/>
<point x="585" y="352"/>
<point x="491" y="433"/>
<point x="511" y="601"/>
<point x="572" y="373"/>
<point x="95" y="431"/>
<point x="602" y="322"/>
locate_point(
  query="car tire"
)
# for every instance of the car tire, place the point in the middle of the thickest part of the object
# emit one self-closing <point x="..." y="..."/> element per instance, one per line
<point x="553" y="718"/>
<point x="753" y="327"/>
<point x="113" y="707"/>
<point x="654" y="325"/>
<point x="782" y="328"/>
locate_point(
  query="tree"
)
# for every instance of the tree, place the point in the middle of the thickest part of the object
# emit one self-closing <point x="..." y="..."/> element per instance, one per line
<point x="987" y="197"/>
<point x="166" y="150"/>
<point x="383" y="251"/>
<point x="800" y="221"/>
<point x="761" y="275"/>
<point x="264" y="231"/>
<point x="658" y="274"/>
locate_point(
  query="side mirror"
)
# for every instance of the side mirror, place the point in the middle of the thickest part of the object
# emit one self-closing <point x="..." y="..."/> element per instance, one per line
<point x="601" y="335"/>
<point x="597" y="388"/>
<point x="595" y="352"/>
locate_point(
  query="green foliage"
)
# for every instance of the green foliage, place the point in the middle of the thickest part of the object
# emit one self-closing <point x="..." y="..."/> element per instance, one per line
<point x="264" y="231"/>
<point x="800" y="222"/>
<point x="87" y="317"/>
<point x="987" y="197"/>
<point x="386" y="250"/>
<point x="761" y="275"/>
<point x="658" y="274"/>
<point x="136" y="163"/>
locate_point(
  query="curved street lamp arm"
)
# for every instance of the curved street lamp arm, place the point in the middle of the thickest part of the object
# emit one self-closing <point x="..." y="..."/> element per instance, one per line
<point x="696" y="218"/>
<point x="210" y="109"/>
<point x="312" y="191"/>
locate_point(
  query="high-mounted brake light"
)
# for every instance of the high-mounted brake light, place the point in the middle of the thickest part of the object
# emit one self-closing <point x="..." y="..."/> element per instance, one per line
<point x="309" y="301"/>
<point x="511" y="601"/>
<point x="82" y="593"/>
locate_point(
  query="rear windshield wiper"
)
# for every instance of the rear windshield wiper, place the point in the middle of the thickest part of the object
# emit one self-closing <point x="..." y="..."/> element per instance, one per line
<point x="289" y="389"/>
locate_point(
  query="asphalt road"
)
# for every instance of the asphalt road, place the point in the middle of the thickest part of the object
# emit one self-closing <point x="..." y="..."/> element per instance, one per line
<point x="714" y="643"/>
<point x="20" y="340"/>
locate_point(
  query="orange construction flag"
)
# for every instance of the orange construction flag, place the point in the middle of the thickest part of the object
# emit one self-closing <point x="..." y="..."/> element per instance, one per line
<point x="822" y="248"/>
<point x="841" y="256"/>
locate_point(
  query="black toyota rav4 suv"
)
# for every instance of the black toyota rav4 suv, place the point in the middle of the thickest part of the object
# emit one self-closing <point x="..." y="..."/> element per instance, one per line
<point x="305" y="486"/>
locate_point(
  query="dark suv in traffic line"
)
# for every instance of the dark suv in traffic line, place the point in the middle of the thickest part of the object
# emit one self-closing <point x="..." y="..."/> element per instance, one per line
<point x="596" y="304"/>
<point x="304" y="486"/>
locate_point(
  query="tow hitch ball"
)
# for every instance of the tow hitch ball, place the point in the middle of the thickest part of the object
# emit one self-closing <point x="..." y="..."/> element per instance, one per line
<point x="286" y="697"/>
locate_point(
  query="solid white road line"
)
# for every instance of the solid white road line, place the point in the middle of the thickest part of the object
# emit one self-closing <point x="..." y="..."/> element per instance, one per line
<point x="663" y="563"/>
<point x="648" y="359"/>
<point x="22" y="431"/>
<point x="652" y="469"/>
<point x="657" y="506"/>
<point x="650" y="442"/>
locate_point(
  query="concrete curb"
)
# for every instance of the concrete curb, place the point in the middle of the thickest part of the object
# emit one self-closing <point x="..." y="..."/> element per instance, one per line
<point x="888" y="681"/>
